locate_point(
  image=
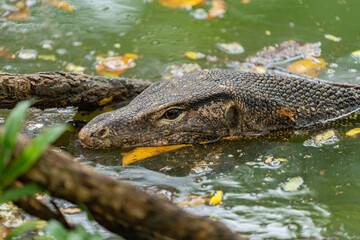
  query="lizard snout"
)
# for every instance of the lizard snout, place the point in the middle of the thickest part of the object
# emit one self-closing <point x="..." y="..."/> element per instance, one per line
<point x="84" y="137"/>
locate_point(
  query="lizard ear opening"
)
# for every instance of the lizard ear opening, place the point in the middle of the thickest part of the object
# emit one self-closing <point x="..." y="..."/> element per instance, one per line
<point x="232" y="116"/>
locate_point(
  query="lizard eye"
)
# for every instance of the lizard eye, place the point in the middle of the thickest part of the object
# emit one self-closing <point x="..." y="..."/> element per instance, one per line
<point x="172" y="114"/>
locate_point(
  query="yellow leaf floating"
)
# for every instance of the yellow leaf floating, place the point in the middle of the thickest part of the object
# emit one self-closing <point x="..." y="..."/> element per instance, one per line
<point x="47" y="57"/>
<point x="19" y="15"/>
<point x="324" y="136"/>
<point x="75" y="68"/>
<point x="131" y="55"/>
<point x="353" y="132"/>
<point x="332" y="38"/>
<point x="105" y="101"/>
<point x="6" y="53"/>
<point x="116" y="65"/>
<point x="308" y="67"/>
<point x="63" y="5"/>
<point x="194" y="200"/>
<point x="194" y="55"/>
<point x="281" y="159"/>
<point x="218" y="9"/>
<point x="293" y="184"/>
<point x="216" y="199"/>
<point x="181" y="3"/>
<point x="145" y="152"/>
<point x="356" y="53"/>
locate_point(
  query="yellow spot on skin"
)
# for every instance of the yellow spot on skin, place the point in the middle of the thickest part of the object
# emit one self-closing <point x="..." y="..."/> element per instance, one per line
<point x="145" y="152"/>
<point x="216" y="199"/>
<point x="353" y="132"/>
<point x="287" y="111"/>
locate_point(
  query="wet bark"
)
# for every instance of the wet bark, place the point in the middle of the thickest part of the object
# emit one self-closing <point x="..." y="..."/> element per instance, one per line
<point x="61" y="89"/>
<point x="118" y="206"/>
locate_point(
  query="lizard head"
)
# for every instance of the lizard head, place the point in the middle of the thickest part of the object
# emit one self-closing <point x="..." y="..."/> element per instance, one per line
<point x="192" y="109"/>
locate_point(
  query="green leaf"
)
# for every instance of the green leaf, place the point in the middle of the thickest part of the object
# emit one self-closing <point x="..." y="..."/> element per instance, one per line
<point x="14" y="194"/>
<point x="56" y="230"/>
<point x="26" y="226"/>
<point x="11" y="129"/>
<point x="31" y="153"/>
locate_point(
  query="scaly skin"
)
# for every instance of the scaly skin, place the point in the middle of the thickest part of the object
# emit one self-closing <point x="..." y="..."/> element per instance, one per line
<point x="213" y="104"/>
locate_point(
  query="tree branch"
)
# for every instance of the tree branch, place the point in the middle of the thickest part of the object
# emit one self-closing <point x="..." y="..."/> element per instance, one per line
<point x="118" y="206"/>
<point x="61" y="89"/>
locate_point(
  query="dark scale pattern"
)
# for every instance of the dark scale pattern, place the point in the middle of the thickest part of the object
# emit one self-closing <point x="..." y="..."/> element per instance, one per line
<point x="215" y="104"/>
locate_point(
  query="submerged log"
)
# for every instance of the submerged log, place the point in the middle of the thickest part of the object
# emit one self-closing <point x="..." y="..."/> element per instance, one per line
<point x="61" y="89"/>
<point x="118" y="206"/>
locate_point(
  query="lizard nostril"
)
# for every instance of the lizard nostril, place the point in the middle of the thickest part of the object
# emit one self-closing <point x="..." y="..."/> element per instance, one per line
<point x="103" y="132"/>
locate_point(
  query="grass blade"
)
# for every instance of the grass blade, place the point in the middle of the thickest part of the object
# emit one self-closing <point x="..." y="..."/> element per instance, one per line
<point x="12" y="127"/>
<point x="31" y="153"/>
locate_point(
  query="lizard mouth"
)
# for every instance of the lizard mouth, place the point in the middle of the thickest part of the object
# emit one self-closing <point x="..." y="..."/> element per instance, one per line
<point x="154" y="139"/>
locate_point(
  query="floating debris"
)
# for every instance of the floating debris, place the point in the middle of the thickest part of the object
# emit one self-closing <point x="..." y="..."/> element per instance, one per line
<point x="61" y="51"/>
<point x="353" y="132"/>
<point x="181" y="3"/>
<point x="18" y="15"/>
<point x="27" y="54"/>
<point x="47" y="44"/>
<point x="293" y="184"/>
<point x="75" y="68"/>
<point x="105" y="101"/>
<point x="231" y="48"/>
<point x="217" y="9"/>
<point x="174" y="71"/>
<point x="321" y="138"/>
<point x="356" y="54"/>
<point x="285" y="51"/>
<point x="146" y="152"/>
<point x="194" y="55"/>
<point x="47" y="57"/>
<point x="116" y="65"/>
<point x="199" y="14"/>
<point x="63" y="5"/>
<point x="216" y="199"/>
<point x="311" y="67"/>
<point x="327" y="137"/>
<point x="332" y="38"/>
<point x="70" y="210"/>
<point x="6" y="53"/>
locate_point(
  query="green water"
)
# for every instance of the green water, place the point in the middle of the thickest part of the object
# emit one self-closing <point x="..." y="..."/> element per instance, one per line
<point x="254" y="202"/>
